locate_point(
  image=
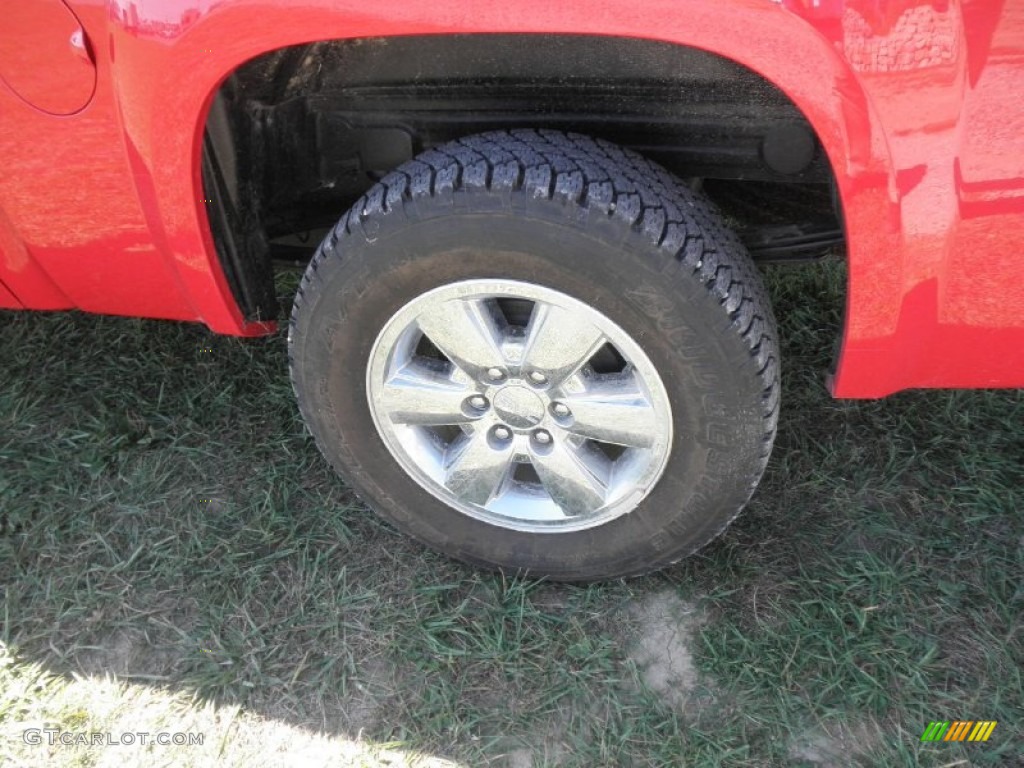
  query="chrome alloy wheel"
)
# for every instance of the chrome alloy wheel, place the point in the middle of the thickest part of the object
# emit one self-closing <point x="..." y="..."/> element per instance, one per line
<point x="519" y="405"/>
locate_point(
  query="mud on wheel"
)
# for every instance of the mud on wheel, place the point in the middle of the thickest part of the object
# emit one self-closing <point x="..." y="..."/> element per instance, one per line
<point x="542" y="353"/>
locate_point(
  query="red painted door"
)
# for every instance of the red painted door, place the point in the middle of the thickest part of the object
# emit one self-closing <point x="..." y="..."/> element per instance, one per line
<point x="45" y="57"/>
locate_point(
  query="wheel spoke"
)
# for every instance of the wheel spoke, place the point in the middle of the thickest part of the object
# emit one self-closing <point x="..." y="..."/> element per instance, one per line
<point x="476" y="470"/>
<point x="418" y="395"/>
<point x="465" y="331"/>
<point x="571" y="479"/>
<point x="613" y="412"/>
<point x="559" y="341"/>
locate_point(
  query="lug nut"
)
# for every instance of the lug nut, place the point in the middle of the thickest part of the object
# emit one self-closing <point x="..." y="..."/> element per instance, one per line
<point x="538" y="378"/>
<point x="495" y="374"/>
<point x="478" y="403"/>
<point x="503" y="433"/>
<point x="542" y="436"/>
<point x="561" y="410"/>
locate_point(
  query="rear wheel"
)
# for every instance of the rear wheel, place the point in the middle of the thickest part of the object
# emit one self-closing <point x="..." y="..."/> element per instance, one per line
<point x="541" y="353"/>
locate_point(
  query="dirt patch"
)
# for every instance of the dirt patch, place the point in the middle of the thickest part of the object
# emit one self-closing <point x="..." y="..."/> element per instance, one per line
<point x="550" y="750"/>
<point x="662" y="650"/>
<point x="375" y="684"/>
<point x="837" y="745"/>
<point x="549" y="754"/>
<point x="126" y="652"/>
<point x="520" y="758"/>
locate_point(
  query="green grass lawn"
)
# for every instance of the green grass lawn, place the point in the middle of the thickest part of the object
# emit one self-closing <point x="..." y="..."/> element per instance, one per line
<point x="175" y="554"/>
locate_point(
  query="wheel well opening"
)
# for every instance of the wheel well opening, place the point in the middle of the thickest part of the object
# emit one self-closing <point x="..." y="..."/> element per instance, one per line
<point x="296" y="135"/>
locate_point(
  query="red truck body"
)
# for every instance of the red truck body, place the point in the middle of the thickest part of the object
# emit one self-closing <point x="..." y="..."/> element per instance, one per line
<point x="918" y="104"/>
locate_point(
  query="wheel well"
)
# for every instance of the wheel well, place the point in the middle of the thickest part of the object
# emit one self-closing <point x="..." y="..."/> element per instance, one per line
<point x="295" y="136"/>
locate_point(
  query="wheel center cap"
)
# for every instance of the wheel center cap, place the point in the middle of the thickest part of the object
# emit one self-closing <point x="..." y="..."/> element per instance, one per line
<point x="519" y="407"/>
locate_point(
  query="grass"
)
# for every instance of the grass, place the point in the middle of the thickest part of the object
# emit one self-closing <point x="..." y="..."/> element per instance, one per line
<point x="174" y="552"/>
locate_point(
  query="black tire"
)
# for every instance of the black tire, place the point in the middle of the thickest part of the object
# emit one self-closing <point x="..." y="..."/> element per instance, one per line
<point x="596" y="222"/>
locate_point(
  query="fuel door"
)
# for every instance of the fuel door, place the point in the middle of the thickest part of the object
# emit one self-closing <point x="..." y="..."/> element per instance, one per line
<point x="45" y="57"/>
